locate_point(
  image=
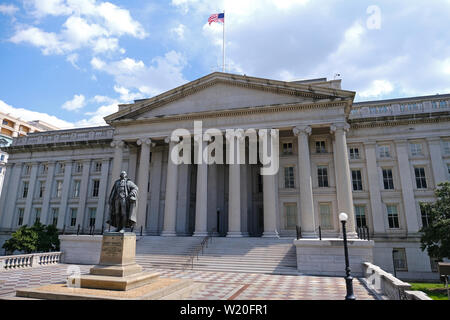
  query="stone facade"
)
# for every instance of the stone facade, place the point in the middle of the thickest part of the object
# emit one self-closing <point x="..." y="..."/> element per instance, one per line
<point x="373" y="160"/>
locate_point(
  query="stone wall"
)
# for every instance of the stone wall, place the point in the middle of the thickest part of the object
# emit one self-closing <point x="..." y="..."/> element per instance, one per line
<point x="81" y="249"/>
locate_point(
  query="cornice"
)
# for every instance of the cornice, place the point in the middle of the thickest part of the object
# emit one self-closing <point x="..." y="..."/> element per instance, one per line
<point x="300" y="90"/>
<point x="292" y="107"/>
<point x="59" y="146"/>
<point x="399" y="120"/>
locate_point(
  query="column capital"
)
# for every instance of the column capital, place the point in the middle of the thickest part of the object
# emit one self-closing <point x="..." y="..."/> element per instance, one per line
<point x="117" y="144"/>
<point x="339" y="126"/>
<point x="144" y="140"/>
<point x="172" y="139"/>
<point x="305" y="130"/>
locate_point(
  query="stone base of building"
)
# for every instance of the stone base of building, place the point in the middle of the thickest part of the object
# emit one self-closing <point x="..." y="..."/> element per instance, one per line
<point x="326" y="257"/>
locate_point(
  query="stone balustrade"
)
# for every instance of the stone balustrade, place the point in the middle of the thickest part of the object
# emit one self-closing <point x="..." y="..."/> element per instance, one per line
<point x="389" y="287"/>
<point x="29" y="260"/>
<point x="65" y="136"/>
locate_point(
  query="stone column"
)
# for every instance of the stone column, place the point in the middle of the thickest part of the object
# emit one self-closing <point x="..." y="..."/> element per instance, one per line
<point x="143" y="174"/>
<point x="170" y="205"/>
<point x="8" y="181"/>
<point x="64" y="194"/>
<point x="132" y="163"/>
<point x="406" y="180"/>
<point x="155" y="193"/>
<point x="307" y="218"/>
<point x="343" y="179"/>
<point x="47" y="193"/>
<point x="270" y="196"/>
<point x="213" y="185"/>
<point x="29" y="202"/>
<point x="439" y="171"/>
<point x="103" y="195"/>
<point x="118" y="158"/>
<point x="201" y="203"/>
<point x="374" y="188"/>
<point x="234" y="190"/>
<point x="83" y="193"/>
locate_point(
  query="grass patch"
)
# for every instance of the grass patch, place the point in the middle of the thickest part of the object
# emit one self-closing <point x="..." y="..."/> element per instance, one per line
<point x="435" y="291"/>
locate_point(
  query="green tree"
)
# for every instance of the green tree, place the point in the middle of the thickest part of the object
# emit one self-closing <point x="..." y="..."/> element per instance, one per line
<point x="24" y="239"/>
<point x="37" y="238"/>
<point x="436" y="236"/>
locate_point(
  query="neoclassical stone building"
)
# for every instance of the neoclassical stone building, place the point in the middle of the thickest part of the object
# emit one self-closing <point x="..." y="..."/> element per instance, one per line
<point x="374" y="160"/>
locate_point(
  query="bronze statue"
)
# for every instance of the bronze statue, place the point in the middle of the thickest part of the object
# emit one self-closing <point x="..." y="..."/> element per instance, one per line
<point x="123" y="204"/>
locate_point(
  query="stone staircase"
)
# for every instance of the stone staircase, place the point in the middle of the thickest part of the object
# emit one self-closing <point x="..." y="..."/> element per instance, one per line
<point x="165" y="252"/>
<point x="250" y="255"/>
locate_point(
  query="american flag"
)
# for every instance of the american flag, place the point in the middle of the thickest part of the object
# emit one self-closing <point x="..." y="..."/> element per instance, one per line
<point x="217" y="17"/>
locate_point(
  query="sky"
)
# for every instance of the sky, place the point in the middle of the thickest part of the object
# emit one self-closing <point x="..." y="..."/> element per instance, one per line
<point x="71" y="62"/>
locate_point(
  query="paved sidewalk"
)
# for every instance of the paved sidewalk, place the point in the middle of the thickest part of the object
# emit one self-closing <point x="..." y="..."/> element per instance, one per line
<point x="220" y="285"/>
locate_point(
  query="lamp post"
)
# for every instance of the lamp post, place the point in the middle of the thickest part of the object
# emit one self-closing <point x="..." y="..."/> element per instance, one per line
<point x="348" y="278"/>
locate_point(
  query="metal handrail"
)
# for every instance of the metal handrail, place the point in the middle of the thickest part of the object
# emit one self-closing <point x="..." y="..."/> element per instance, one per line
<point x="198" y="248"/>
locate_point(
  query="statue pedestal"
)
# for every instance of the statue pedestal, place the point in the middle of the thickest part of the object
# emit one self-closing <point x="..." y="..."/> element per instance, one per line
<point x="117" y="276"/>
<point x="117" y="269"/>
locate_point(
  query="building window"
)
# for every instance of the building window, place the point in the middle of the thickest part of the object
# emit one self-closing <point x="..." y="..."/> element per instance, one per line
<point x="291" y="215"/>
<point x="356" y="180"/>
<point x="321" y="147"/>
<point x="95" y="188"/>
<point x="78" y="167"/>
<point x="446" y="147"/>
<point x="416" y="149"/>
<point x="421" y="181"/>
<point x="322" y="175"/>
<point x="360" y="215"/>
<point x="55" y="212"/>
<point x="325" y="216"/>
<point x="25" y="189"/>
<point x="37" y="215"/>
<point x="61" y="168"/>
<point x="388" y="181"/>
<point x="73" y="216"/>
<point x="425" y="215"/>
<point x="392" y="216"/>
<point x="287" y="148"/>
<point x="384" y="152"/>
<point x="92" y="214"/>
<point x="399" y="256"/>
<point x="41" y="188"/>
<point x="289" y="182"/>
<point x="59" y="188"/>
<point x="21" y="212"/>
<point x="97" y="166"/>
<point x="354" y="153"/>
<point x="76" y="188"/>
<point x="2" y="157"/>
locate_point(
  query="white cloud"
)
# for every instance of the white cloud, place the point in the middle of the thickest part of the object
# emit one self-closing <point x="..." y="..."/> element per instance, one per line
<point x="47" y="41"/>
<point x="378" y="88"/>
<point x="73" y="58"/>
<point x="28" y="115"/>
<point x="89" y="23"/>
<point x="8" y="9"/>
<point x="178" y="31"/>
<point x="78" y="102"/>
<point x="162" y="74"/>
<point x="96" y="118"/>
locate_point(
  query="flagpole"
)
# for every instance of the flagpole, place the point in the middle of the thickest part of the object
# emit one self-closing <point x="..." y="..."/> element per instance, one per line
<point x="223" y="44"/>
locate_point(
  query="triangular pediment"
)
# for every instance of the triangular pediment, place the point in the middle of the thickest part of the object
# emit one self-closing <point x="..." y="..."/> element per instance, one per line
<point x="221" y="91"/>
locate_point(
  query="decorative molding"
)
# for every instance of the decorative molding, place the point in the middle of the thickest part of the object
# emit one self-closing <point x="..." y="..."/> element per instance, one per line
<point x="302" y="130"/>
<point x="339" y="126"/>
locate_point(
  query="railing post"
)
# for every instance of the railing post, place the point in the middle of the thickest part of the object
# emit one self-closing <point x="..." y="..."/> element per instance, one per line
<point x="78" y="229"/>
<point x="368" y="235"/>
<point x="320" y="233"/>
<point x="141" y="230"/>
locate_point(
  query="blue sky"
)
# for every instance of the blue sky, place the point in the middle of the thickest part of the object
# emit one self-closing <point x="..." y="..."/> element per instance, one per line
<point x="71" y="62"/>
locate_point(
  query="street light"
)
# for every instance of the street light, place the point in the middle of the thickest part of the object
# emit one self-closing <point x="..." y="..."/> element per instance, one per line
<point x="348" y="278"/>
